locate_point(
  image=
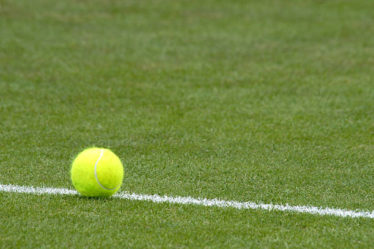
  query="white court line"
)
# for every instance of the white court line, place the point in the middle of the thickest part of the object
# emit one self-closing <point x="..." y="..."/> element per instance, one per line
<point x="199" y="201"/>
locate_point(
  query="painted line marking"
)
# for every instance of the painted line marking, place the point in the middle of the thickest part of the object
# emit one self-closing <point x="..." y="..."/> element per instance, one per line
<point x="199" y="201"/>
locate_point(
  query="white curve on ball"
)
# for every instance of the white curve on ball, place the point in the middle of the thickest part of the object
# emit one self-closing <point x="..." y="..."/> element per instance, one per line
<point x="97" y="179"/>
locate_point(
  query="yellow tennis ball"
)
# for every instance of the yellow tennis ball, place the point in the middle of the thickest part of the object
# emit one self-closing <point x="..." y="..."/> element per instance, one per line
<point x="97" y="172"/>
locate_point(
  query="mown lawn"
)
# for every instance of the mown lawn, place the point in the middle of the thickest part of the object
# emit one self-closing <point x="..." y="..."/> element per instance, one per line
<point x="267" y="101"/>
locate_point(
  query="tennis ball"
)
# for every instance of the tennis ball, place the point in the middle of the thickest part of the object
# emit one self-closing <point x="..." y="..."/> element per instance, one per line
<point x="97" y="172"/>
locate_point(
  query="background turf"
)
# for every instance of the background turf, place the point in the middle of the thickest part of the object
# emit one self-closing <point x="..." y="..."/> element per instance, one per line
<point x="267" y="101"/>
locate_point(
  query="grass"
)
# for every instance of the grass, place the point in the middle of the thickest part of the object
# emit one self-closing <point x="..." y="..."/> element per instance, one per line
<point x="267" y="101"/>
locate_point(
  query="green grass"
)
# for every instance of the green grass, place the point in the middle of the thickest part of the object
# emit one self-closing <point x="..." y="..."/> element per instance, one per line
<point x="265" y="101"/>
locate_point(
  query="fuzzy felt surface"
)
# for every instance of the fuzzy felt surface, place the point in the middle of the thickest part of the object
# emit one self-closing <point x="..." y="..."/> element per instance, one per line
<point x="97" y="172"/>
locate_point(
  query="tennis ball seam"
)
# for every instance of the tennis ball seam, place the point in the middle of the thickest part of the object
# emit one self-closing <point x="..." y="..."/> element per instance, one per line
<point x="97" y="179"/>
